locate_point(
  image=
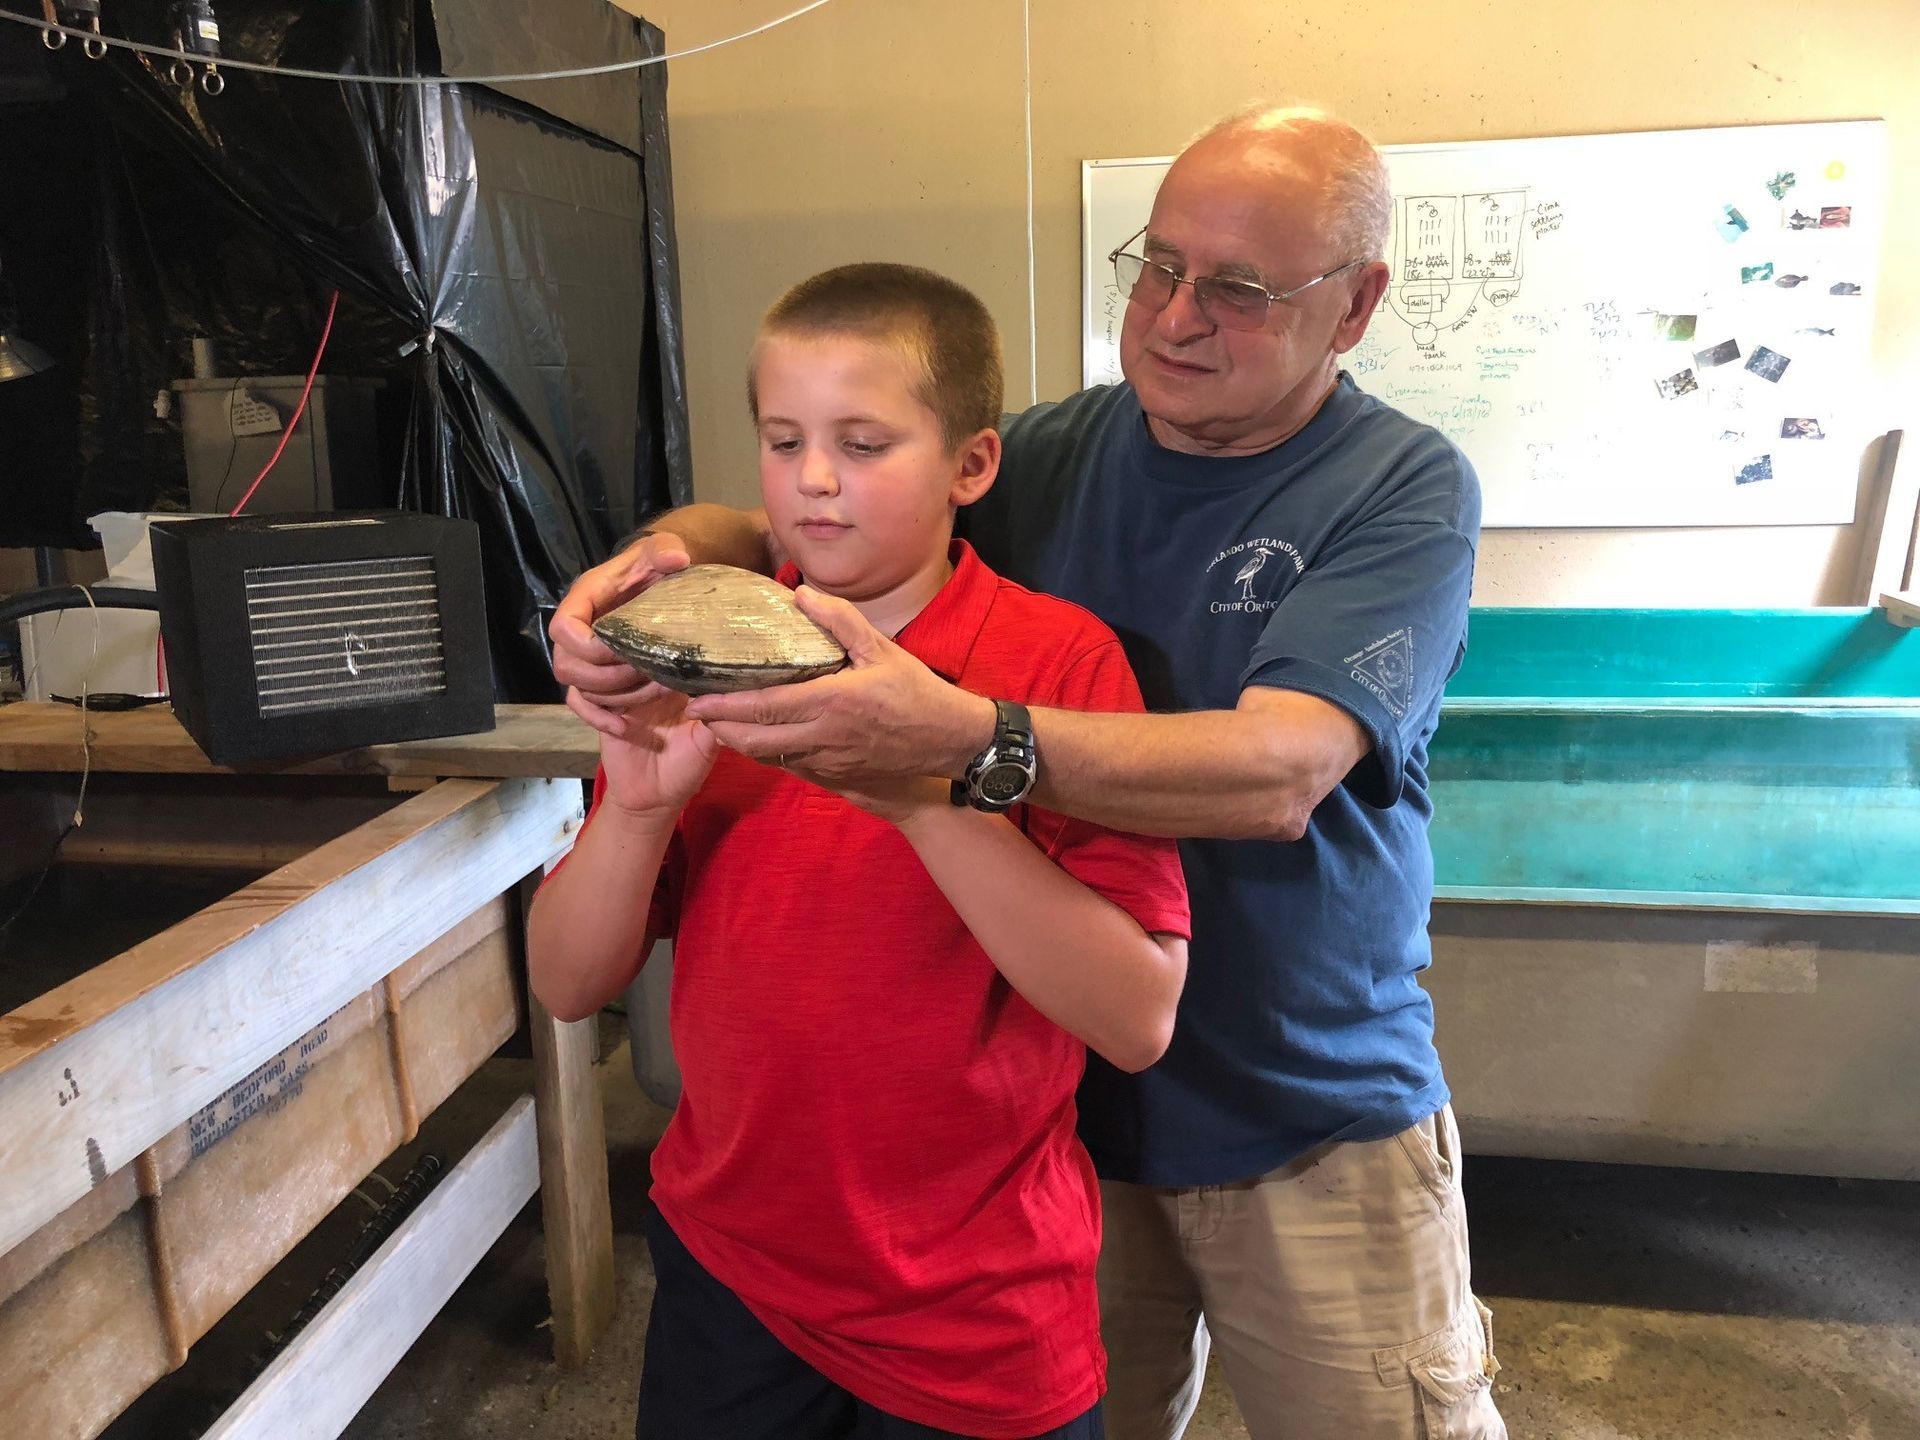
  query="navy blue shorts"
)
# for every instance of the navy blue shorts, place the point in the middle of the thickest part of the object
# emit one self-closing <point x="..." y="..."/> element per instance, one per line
<point x="714" y="1372"/>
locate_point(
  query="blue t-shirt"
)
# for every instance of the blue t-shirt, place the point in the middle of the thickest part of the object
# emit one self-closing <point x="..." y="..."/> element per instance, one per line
<point x="1338" y="564"/>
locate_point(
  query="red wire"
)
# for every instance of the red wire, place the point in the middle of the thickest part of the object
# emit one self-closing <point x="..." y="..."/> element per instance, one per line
<point x="333" y="303"/>
<point x="298" y="410"/>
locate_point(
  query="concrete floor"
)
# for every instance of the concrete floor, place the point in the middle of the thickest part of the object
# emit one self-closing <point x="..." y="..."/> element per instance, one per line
<point x="1630" y="1304"/>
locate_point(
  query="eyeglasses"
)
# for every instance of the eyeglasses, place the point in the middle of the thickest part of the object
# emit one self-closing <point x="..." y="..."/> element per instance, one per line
<point x="1231" y="304"/>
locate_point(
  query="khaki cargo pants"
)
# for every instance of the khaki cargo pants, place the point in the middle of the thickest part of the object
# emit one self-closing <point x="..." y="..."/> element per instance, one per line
<point x="1335" y="1290"/>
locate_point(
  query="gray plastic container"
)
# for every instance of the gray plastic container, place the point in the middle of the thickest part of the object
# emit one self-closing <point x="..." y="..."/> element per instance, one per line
<point x="654" y="1066"/>
<point x="331" y="460"/>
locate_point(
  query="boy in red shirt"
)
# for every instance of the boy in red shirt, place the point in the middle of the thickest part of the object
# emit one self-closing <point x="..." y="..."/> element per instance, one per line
<point x="874" y="1218"/>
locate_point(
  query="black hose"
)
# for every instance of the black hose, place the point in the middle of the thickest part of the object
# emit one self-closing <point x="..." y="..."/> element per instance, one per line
<point x="406" y="1196"/>
<point x="21" y="604"/>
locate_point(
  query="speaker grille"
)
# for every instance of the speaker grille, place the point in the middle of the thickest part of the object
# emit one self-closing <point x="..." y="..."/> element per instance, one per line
<point x="343" y="634"/>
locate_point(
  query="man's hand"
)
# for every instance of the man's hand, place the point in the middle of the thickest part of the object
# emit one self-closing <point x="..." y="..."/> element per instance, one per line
<point x="886" y="717"/>
<point x="601" y="686"/>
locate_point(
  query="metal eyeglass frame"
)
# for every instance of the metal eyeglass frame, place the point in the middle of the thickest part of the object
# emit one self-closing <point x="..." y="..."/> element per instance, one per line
<point x="1214" y="283"/>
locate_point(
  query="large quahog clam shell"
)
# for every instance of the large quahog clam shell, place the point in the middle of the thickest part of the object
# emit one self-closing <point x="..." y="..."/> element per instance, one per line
<point x="711" y="629"/>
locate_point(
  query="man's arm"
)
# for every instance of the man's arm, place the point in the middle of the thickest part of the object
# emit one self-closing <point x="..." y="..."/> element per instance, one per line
<point x="721" y="535"/>
<point x="1258" y="770"/>
<point x="600" y="685"/>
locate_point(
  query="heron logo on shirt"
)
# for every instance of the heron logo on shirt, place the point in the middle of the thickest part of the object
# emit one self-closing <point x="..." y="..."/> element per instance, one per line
<point x="1255" y="563"/>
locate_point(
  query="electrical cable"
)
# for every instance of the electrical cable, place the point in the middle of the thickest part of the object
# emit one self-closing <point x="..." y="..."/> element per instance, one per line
<point x="101" y="594"/>
<point x="233" y="450"/>
<point x="286" y="434"/>
<point x="1033" y="309"/>
<point x="86" y="729"/>
<point x="163" y="52"/>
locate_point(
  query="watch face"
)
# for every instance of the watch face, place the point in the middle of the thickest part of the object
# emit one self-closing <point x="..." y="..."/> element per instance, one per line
<point x="1004" y="783"/>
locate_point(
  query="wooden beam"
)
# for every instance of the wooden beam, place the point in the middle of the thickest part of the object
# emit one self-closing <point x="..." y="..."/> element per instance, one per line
<point x="313" y="1389"/>
<point x="1887" y="541"/>
<point x="227" y="1196"/>
<point x="1903" y="607"/>
<point x="94" y="1072"/>
<point x="212" y="823"/>
<point x="537" y="741"/>
<point x="574" y="1207"/>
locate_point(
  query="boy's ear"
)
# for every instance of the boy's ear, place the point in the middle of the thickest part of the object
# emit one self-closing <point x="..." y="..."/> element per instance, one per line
<point x="977" y="462"/>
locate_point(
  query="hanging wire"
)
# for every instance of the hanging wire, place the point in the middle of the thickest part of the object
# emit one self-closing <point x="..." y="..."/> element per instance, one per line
<point x="1033" y="306"/>
<point x="163" y="52"/>
<point x="86" y="772"/>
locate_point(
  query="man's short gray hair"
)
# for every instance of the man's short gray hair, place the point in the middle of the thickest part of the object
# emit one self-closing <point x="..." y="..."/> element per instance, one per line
<point x="1359" y="194"/>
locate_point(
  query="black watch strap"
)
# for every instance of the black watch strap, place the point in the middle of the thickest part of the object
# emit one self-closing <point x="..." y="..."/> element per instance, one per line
<point x="1012" y="746"/>
<point x="1013" y="723"/>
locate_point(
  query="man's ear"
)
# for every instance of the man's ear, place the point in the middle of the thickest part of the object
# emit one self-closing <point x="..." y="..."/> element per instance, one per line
<point x="1364" y="300"/>
<point x="976" y="464"/>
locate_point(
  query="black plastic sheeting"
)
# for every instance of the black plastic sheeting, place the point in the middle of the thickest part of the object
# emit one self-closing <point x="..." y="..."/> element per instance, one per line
<point x="505" y="262"/>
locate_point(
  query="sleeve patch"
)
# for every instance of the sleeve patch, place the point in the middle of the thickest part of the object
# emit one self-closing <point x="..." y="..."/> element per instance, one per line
<point x="1386" y="669"/>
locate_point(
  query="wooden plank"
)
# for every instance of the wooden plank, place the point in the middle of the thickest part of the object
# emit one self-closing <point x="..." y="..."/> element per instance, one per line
<point x="1887" y="537"/>
<point x="105" y="989"/>
<point x="98" y="1070"/>
<point x="313" y="1389"/>
<point x="334" y="1124"/>
<point x="211" y="827"/>
<point x="536" y="741"/>
<point x="1910" y="576"/>
<point x="443" y="1066"/>
<point x="574" y="1206"/>
<point x="225" y="1198"/>
<point x="1903" y="607"/>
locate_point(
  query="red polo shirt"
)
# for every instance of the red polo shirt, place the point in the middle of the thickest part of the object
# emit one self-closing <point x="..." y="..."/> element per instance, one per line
<point x="875" y="1146"/>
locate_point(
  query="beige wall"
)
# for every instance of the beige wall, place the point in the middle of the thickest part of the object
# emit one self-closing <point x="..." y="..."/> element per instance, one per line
<point x="893" y="129"/>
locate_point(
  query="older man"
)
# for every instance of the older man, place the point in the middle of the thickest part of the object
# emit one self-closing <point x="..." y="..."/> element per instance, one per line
<point x="1288" y="562"/>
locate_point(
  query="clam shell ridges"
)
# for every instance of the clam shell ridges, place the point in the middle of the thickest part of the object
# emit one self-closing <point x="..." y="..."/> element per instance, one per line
<point x="714" y="627"/>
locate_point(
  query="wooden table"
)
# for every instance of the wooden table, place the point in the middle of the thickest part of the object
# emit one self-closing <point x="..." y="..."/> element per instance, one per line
<point x="538" y="741"/>
<point x="113" y="1085"/>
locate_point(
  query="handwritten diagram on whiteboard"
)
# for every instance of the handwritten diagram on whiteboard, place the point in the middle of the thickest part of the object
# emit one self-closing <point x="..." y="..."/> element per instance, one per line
<point x="1655" y="329"/>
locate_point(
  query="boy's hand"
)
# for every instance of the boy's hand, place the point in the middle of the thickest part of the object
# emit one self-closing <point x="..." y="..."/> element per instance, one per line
<point x="663" y="758"/>
<point x="601" y="686"/>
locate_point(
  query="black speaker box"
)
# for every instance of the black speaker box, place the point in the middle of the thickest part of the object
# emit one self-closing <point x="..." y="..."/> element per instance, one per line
<point x="292" y="635"/>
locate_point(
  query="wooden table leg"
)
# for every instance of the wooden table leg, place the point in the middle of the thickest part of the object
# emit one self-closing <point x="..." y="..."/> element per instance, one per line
<point x="573" y="1183"/>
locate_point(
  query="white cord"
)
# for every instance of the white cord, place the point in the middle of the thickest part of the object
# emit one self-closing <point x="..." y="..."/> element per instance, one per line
<point x="1033" y="311"/>
<point x="289" y="72"/>
<point x="86" y="730"/>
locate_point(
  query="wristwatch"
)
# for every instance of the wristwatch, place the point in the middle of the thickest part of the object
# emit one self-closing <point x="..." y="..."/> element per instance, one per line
<point x="999" y="777"/>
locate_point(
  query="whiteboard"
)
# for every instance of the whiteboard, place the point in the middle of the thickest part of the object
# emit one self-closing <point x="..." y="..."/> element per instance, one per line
<point x="1667" y="328"/>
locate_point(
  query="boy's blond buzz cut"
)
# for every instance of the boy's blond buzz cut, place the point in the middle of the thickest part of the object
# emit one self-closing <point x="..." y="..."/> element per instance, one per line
<point x="944" y="331"/>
